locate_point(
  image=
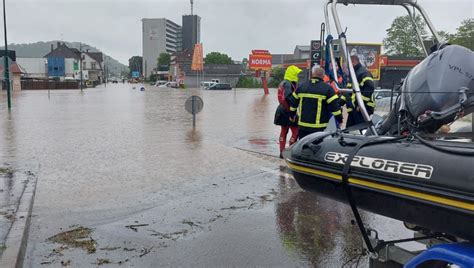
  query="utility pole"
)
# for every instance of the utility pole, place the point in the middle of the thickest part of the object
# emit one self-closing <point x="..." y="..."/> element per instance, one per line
<point x="104" y="72"/>
<point x="6" y="67"/>
<point x="80" y="60"/>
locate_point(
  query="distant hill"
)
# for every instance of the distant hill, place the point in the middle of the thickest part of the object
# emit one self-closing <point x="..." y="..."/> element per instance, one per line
<point x="39" y="49"/>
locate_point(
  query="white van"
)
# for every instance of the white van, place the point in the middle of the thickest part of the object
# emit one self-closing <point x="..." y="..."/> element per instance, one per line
<point x="207" y="84"/>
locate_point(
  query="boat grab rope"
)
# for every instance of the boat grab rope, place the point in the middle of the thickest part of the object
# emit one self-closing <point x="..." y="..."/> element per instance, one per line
<point x="441" y="149"/>
<point x="347" y="189"/>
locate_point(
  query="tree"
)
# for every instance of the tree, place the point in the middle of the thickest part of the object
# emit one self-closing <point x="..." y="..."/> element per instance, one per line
<point x="245" y="61"/>
<point x="217" y="58"/>
<point x="401" y="37"/>
<point x="464" y="35"/>
<point x="277" y="76"/>
<point x="164" y="60"/>
<point x="445" y="36"/>
<point x="135" y="64"/>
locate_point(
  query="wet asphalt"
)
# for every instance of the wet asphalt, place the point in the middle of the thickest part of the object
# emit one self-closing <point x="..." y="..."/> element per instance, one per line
<point x="156" y="192"/>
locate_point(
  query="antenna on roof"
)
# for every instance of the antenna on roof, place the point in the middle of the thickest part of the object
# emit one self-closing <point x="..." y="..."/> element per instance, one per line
<point x="192" y="2"/>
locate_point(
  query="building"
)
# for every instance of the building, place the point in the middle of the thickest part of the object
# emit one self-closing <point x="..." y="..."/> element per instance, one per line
<point x="158" y="36"/>
<point x="15" y="76"/>
<point x="191" y="31"/>
<point x="279" y="59"/>
<point x="164" y="36"/>
<point x="64" y="62"/>
<point x="33" y="67"/>
<point x="301" y="53"/>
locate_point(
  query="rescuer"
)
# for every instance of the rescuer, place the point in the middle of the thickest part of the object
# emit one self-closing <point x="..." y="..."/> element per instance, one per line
<point x="366" y="85"/>
<point x="317" y="102"/>
<point x="283" y="117"/>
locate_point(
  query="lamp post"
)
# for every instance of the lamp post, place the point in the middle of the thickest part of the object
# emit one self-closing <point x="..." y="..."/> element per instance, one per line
<point x="6" y="68"/>
<point x="80" y="60"/>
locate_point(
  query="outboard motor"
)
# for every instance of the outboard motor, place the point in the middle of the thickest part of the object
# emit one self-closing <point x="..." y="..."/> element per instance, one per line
<point x="435" y="92"/>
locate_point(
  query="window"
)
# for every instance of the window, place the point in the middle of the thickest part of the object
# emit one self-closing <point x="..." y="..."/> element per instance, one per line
<point x="84" y="65"/>
<point x="93" y="65"/>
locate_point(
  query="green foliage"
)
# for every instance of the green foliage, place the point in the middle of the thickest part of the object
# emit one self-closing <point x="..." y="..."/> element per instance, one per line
<point x="245" y="61"/>
<point x="135" y="64"/>
<point x="248" y="82"/>
<point x="217" y="58"/>
<point x="164" y="59"/>
<point x="464" y="35"/>
<point x="153" y="78"/>
<point x="277" y="76"/>
<point x="445" y="36"/>
<point x="125" y="74"/>
<point x="401" y="37"/>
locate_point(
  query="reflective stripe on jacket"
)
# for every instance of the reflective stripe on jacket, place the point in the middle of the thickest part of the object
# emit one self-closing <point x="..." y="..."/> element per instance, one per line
<point x="315" y="102"/>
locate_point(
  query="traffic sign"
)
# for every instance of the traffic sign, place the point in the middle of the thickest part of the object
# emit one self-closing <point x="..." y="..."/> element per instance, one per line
<point x="194" y="105"/>
<point x="315" y="52"/>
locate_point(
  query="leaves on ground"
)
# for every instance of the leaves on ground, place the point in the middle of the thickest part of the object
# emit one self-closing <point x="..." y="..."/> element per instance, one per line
<point x="76" y="238"/>
<point x="103" y="261"/>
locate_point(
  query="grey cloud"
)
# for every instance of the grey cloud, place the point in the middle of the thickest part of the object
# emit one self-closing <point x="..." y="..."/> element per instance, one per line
<point x="231" y="26"/>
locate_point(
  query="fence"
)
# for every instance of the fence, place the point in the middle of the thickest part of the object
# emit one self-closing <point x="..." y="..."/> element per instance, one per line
<point x="37" y="84"/>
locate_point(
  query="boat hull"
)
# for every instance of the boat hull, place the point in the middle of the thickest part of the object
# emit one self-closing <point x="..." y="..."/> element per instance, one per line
<point x="450" y="211"/>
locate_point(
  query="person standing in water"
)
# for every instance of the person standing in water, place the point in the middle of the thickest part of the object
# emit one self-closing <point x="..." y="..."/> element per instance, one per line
<point x="283" y="116"/>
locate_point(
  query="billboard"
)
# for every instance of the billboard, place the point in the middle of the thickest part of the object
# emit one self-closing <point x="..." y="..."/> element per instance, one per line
<point x="260" y="60"/>
<point x="369" y="56"/>
<point x="135" y="74"/>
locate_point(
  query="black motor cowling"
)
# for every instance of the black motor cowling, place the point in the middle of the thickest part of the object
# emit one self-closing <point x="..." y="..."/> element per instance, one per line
<point x="435" y="90"/>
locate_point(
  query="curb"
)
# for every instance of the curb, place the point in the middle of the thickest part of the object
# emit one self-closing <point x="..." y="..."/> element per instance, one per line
<point x="17" y="237"/>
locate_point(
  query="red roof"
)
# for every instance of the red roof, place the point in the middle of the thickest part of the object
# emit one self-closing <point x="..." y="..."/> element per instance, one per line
<point x="14" y="68"/>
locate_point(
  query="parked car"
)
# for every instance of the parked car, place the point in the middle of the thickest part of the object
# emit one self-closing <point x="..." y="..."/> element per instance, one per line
<point x="220" y="86"/>
<point x="171" y="84"/>
<point x="383" y="93"/>
<point x="160" y="83"/>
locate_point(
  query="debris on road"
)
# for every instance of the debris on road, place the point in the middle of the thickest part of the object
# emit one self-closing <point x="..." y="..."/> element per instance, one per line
<point x="134" y="226"/>
<point x="76" y="238"/>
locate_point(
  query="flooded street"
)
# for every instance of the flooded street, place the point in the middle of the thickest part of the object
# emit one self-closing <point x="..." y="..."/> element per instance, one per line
<point x="152" y="191"/>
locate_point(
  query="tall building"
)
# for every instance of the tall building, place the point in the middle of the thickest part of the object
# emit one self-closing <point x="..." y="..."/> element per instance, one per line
<point x="191" y="31"/>
<point x="158" y="36"/>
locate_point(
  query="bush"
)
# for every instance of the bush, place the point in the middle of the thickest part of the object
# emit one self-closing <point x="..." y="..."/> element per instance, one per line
<point x="248" y="82"/>
<point x="276" y="77"/>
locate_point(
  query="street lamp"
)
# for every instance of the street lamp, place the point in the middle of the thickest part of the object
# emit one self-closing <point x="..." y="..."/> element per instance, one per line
<point x="7" y="71"/>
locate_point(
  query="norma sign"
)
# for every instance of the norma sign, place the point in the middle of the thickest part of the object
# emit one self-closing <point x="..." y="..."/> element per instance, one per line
<point x="260" y="60"/>
<point x="315" y="48"/>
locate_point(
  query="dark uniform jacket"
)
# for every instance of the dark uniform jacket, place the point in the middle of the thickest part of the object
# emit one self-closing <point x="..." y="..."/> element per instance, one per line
<point x="282" y="116"/>
<point x="315" y="102"/>
<point x="366" y="85"/>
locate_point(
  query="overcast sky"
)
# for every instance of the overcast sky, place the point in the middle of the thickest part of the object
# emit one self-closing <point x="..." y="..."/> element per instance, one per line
<point x="234" y="27"/>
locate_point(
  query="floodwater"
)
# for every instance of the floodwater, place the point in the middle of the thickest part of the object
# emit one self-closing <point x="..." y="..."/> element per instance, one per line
<point x="155" y="192"/>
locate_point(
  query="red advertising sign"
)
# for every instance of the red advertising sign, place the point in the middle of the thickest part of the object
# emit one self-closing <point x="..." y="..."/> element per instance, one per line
<point x="383" y="60"/>
<point x="260" y="60"/>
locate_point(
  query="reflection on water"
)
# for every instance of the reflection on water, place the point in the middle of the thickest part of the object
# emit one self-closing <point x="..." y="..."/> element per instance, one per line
<point x="315" y="228"/>
<point x="194" y="136"/>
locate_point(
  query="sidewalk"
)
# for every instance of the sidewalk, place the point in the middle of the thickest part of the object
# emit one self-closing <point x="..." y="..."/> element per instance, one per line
<point x="17" y="187"/>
